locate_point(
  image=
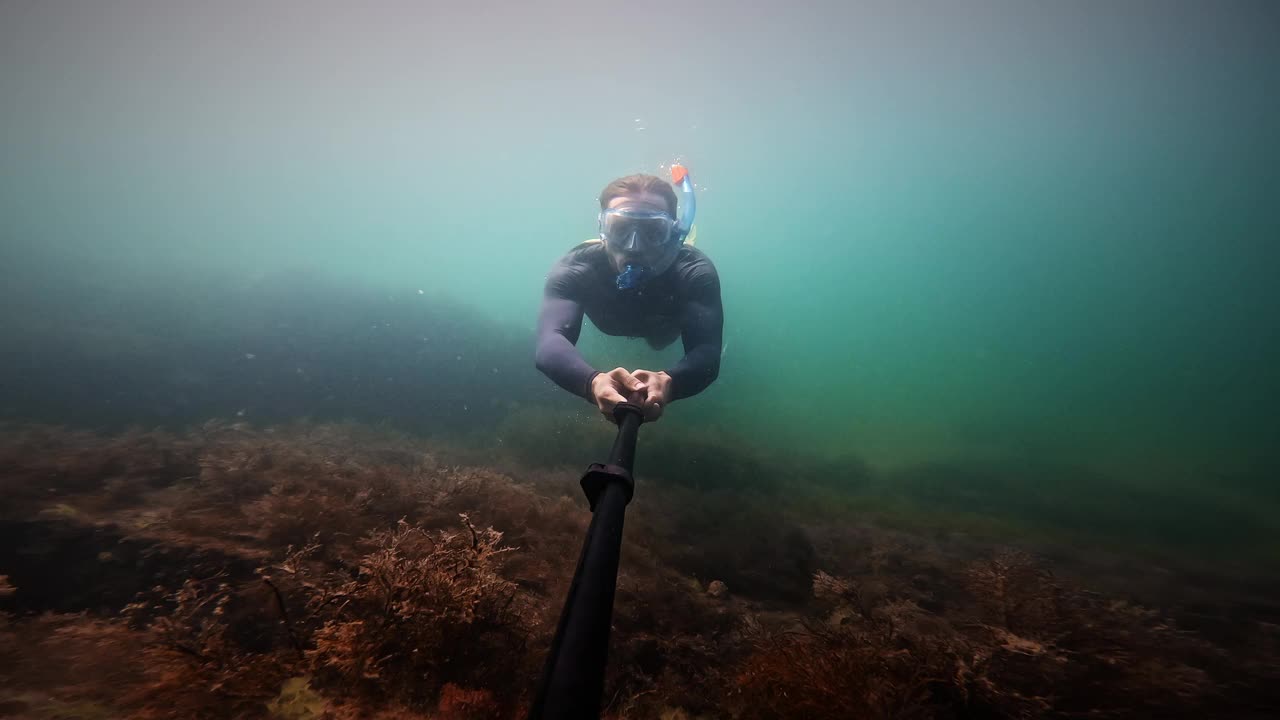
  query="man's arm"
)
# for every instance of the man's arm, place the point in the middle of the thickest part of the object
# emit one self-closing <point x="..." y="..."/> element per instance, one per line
<point x="702" y="326"/>
<point x="559" y="324"/>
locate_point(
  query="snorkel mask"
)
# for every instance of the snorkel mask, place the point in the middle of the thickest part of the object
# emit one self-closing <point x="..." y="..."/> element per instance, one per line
<point x="649" y="234"/>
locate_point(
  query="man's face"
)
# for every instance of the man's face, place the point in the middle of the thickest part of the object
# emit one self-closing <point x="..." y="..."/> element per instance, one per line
<point x="621" y="257"/>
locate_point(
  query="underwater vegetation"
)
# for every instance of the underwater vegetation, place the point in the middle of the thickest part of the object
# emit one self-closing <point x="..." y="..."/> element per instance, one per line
<point x="335" y="570"/>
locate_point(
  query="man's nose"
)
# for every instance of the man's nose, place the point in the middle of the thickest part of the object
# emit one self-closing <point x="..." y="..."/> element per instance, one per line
<point x="632" y="242"/>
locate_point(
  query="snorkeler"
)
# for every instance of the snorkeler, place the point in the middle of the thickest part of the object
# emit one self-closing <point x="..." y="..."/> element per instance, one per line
<point x="641" y="278"/>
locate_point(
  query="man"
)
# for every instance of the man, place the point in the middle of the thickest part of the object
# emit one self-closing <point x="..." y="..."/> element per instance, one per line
<point x="640" y="279"/>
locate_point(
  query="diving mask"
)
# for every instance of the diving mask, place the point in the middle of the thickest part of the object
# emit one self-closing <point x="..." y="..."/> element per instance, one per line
<point x="636" y="231"/>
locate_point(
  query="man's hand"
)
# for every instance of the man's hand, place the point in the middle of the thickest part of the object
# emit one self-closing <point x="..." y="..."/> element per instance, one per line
<point x="657" y="389"/>
<point x="616" y="386"/>
<point x="645" y="388"/>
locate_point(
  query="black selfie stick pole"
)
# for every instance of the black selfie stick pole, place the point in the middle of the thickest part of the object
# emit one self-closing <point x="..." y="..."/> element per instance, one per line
<point x="573" y="681"/>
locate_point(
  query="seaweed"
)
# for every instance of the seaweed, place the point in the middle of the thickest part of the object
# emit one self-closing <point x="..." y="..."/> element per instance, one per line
<point x="202" y="574"/>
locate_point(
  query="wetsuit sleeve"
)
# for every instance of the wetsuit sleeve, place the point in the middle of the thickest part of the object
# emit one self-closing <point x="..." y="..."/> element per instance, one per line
<point x="702" y="330"/>
<point x="559" y="324"/>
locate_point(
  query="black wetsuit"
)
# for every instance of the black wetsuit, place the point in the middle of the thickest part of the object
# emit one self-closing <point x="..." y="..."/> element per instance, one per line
<point x="683" y="302"/>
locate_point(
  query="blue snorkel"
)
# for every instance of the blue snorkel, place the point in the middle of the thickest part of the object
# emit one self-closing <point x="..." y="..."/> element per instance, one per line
<point x="680" y="176"/>
<point x="633" y="275"/>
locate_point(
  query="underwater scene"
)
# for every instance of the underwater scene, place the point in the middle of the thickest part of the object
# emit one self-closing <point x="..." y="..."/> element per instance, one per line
<point x="951" y="331"/>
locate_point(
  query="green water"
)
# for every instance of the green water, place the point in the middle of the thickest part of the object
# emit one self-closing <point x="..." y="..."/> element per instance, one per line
<point x="995" y="232"/>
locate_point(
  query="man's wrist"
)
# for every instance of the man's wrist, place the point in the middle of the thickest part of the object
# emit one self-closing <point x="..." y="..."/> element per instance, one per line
<point x="590" y="394"/>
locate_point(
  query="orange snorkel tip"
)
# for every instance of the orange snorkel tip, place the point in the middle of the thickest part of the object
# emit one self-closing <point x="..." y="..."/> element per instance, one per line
<point x="678" y="174"/>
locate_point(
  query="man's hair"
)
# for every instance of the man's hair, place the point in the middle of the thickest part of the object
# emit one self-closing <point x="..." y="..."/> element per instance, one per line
<point x="635" y="184"/>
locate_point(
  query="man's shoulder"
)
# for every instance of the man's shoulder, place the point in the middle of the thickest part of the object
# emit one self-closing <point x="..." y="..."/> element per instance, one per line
<point x="695" y="270"/>
<point x="586" y="252"/>
<point x="695" y="258"/>
<point x="575" y="266"/>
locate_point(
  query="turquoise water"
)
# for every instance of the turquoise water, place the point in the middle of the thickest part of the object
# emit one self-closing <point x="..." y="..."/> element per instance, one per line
<point x="995" y="232"/>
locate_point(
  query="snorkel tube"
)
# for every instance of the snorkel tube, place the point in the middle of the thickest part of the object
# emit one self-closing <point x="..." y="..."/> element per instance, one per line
<point x="680" y="177"/>
<point x="633" y="275"/>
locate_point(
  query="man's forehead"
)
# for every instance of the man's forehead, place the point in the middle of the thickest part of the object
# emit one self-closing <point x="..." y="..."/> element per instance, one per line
<point x="648" y="200"/>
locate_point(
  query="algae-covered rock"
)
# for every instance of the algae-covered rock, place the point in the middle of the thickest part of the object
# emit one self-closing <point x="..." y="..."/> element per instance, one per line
<point x="60" y="511"/>
<point x="297" y="701"/>
<point x="36" y="706"/>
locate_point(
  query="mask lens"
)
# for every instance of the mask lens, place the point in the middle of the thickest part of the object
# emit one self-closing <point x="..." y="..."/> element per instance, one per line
<point x="633" y="231"/>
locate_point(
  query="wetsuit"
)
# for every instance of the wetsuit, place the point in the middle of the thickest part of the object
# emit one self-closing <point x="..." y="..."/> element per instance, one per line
<point x="684" y="301"/>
